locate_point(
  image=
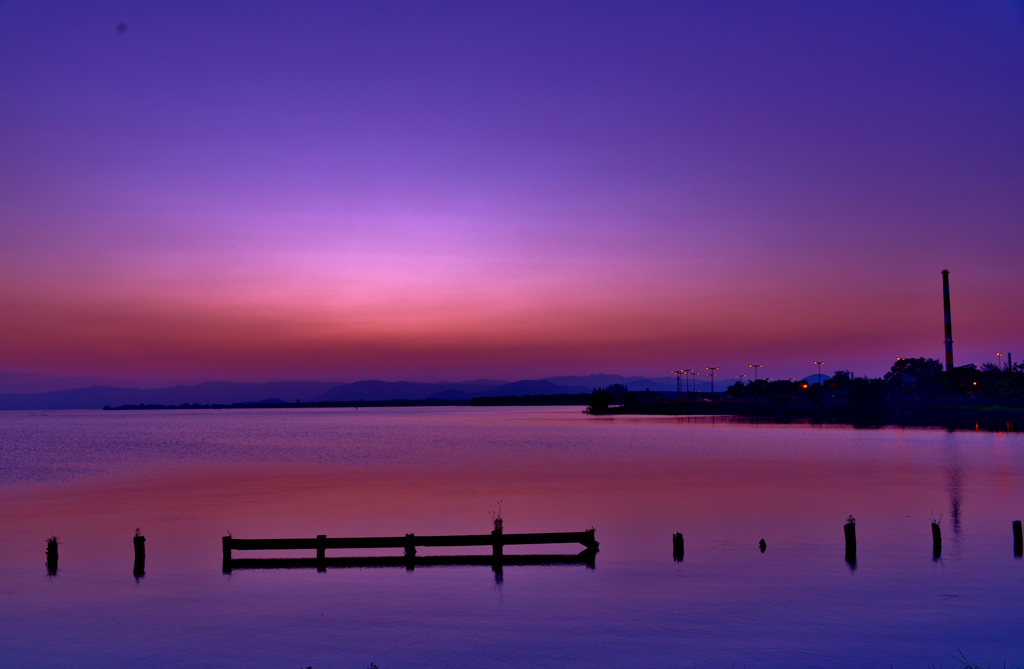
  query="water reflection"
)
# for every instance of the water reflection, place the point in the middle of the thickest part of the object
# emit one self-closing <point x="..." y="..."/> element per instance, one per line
<point x="290" y="473"/>
<point x="587" y="558"/>
<point x="955" y="491"/>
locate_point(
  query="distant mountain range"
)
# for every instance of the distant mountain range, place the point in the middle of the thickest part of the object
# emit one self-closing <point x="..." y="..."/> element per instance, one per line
<point x="96" y="397"/>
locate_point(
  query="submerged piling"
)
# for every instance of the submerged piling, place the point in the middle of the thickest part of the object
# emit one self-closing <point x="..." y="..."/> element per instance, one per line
<point x="936" y="541"/>
<point x="410" y="551"/>
<point x="1018" y="540"/>
<point x="321" y="552"/>
<point x="51" y="555"/>
<point x="850" y="530"/>
<point x="139" y="542"/>
<point x="498" y="547"/>
<point x="677" y="546"/>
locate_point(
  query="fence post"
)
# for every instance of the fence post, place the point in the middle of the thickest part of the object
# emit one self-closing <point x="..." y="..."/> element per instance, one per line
<point x="936" y="541"/>
<point x="677" y="547"/>
<point x="321" y="552"/>
<point x="497" y="547"/>
<point x="850" y="530"/>
<point x="410" y="551"/>
<point x="51" y="555"/>
<point x="139" y="542"/>
<point x="226" y="546"/>
<point x="1018" y="539"/>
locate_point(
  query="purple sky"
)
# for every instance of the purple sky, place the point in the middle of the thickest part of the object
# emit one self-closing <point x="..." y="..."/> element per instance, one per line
<point x="429" y="191"/>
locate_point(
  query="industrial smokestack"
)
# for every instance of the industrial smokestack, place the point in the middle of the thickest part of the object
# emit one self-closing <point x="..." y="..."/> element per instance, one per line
<point x="949" y="320"/>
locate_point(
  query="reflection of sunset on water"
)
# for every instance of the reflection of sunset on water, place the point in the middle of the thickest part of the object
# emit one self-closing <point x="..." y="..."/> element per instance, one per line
<point x="189" y="478"/>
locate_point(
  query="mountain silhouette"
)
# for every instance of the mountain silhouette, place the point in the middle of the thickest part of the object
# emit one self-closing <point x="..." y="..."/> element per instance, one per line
<point x="223" y="392"/>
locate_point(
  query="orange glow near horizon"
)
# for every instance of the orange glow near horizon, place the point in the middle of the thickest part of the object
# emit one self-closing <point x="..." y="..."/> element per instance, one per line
<point x="441" y="212"/>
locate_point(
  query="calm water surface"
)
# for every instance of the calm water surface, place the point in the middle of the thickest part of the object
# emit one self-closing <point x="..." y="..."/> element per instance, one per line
<point x="186" y="478"/>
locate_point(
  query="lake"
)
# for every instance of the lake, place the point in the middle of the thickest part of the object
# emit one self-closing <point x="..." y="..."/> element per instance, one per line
<point x="187" y="478"/>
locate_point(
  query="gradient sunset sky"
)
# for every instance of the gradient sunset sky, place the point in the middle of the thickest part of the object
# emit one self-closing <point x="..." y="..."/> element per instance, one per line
<point x="427" y="191"/>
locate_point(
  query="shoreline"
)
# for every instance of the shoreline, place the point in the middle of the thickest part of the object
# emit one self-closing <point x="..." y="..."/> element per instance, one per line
<point x="526" y="400"/>
<point x="949" y="414"/>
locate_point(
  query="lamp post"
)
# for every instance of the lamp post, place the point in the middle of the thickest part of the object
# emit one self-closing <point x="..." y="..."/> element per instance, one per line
<point x="694" y="373"/>
<point x="679" y="385"/>
<point x="819" y="364"/>
<point x="711" y="373"/>
<point x="756" y="367"/>
<point x="999" y="359"/>
<point x="900" y="360"/>
<point x="689" y="373"/>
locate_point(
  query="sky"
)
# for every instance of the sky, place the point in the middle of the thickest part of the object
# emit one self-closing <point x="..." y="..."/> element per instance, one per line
<point x="448" y="191"/>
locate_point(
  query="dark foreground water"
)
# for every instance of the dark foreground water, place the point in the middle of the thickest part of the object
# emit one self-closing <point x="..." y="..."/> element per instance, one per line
<point x="188" y="478"/>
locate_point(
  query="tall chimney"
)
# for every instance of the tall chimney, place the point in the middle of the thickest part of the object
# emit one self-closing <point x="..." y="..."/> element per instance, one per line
<point x="949" y="320"/>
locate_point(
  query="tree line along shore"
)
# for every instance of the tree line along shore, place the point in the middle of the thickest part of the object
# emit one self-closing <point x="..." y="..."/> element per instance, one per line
<point x="915" y="392"/>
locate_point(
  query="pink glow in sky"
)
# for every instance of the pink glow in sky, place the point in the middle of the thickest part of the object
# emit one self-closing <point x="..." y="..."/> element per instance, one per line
<point x="448" y="190"/>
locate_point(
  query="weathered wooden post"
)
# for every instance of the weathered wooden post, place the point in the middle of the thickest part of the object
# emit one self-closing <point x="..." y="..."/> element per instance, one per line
<point x="140" y="554"/>
<point x="936" y="541"/>
<point x="321" y="552"/>
<point x="850" y="530"/>
<point x="677" y="547"/>
<point x="591" y="542"/>
<point x="1018" y="539"/>
<point x="51" y="555"/>
<point x="410" y="551"/>
<point x="226" y="545"/>
<point x="763" y="545"/>
<point x="498" y="547"/>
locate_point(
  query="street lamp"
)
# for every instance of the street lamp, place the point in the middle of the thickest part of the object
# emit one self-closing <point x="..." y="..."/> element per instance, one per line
<point x="755" y="370"/>
<point x="741" y="377"/>
<point x="689" y="373"/>
<point x="712" y="375"/>
<point x="679" y="385"/>
<point x="819" y="364"/>
<point x="900" y="360"/>
<point x="999" y="359"/>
